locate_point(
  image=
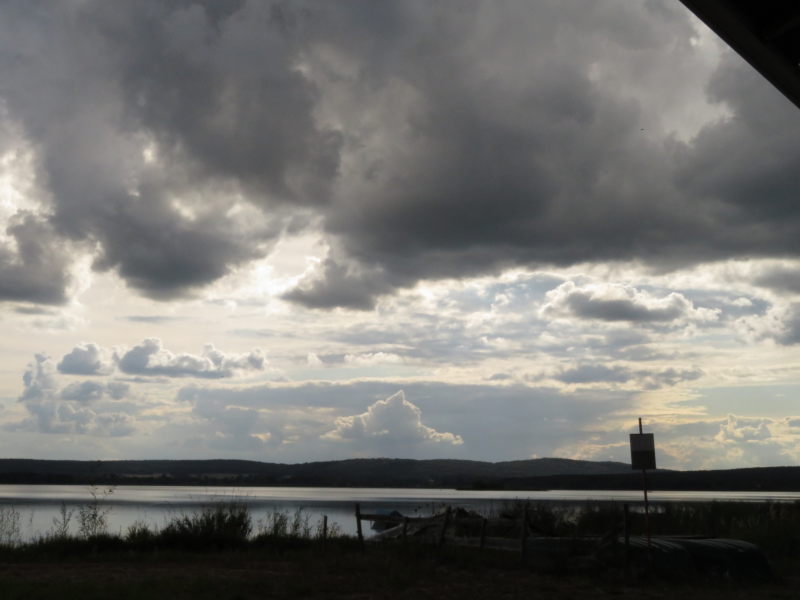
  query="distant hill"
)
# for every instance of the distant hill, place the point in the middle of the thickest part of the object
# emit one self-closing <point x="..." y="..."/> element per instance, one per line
<point x="368" y="472"/>
<point x="534" y="474"/>
<point x="773" y="479"/>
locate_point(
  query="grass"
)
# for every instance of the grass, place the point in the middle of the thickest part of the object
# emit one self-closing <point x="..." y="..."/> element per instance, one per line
<point x="385" y="571"/>
<point x="221" y="552"/>
<point x="222" y="526"/>
<point x="773" y="526"/>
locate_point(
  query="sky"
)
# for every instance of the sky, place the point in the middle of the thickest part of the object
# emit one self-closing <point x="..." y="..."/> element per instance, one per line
<point x="312" y="230"/>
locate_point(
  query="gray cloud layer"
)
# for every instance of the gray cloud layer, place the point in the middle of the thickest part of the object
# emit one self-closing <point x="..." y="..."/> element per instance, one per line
<point x="86" y="359"/>
<point x="85" y="408"/>
<point x="427" y="140"/>
<point x="37" y="269"/>
<point x="494" y="423"/>
<point x="152" y="359"/>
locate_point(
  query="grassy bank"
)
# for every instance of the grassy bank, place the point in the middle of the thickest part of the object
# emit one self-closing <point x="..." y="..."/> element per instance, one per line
<point x="223" y="551"/>
<point x="773" y="526"/>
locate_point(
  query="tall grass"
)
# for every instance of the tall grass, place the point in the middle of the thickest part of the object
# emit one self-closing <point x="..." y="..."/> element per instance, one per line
<point x="93" y="516"/>
<point x="10" y="532"/>
<point x="223" y="525"/>
<point x="216" y="526"/>
<point x="774" y="526"/>
<point x="61" y="522"/>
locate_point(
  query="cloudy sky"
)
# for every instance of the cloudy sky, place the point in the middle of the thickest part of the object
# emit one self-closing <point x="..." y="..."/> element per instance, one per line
<point x="306" y="230"/>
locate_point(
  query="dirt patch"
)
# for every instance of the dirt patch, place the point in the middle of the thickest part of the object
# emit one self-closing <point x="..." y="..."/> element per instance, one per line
<point x="336" y="578"/>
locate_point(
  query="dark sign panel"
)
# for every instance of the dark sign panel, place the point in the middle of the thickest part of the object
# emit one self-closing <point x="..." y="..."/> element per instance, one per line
<point x="643" y="451"/>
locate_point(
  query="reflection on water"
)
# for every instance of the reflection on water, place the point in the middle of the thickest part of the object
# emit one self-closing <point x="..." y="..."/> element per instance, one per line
<point x="38" y="505"/>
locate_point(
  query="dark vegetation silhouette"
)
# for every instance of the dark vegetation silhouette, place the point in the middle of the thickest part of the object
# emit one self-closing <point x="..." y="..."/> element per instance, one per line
<point x="534" y="474"/>
<point x="223" y="550"/>
<point x="368" y="472"/>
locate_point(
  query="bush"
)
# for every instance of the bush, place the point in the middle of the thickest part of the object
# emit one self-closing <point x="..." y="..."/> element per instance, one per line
<point x="140" y="536"/>
<point x="61" y="522"/>
<point x="282" y="530"/>
<point x="226" y="525"/>
<point x="93" y="517"/>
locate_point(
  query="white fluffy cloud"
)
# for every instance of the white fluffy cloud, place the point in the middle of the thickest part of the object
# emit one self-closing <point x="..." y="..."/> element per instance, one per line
<point x="150" y="358"/>
<point x="371" y="359"/>
<point x="395" y="420"/>
<point x="736" y="430"/>
<point x="86" y="359"/>
<point x="86" y="408"/>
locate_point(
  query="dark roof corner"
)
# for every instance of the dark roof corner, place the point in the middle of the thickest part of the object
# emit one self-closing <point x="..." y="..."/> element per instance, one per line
<point x="765" y="33"/>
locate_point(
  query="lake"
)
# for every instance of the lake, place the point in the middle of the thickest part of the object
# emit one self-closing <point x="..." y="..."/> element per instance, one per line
<point x="38" y="505"/>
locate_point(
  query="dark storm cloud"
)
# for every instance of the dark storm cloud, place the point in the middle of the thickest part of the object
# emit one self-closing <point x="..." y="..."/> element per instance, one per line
<point x="614" y="302"/>
<point x="534" y="161"/>
<point x="727" y="162"/>
<point x="428" y="140"/>
<point x="213" y="94"/>
<point x="780" y="279"/>
<point x="503" y="161"/>
<point x="226" y="93"/>
<point x="164" y="255"/>
<point x="584" y="306"/>
<point x="338" y="284"/>
<point x="789" y="333"/>
<point x="36" y="271"/>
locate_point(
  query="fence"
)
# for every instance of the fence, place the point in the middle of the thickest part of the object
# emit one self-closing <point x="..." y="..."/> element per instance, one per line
<point x="437" y="527"/>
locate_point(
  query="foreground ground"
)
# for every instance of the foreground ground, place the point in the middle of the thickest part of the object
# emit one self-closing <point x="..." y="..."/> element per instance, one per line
<point x="346" y="575"/>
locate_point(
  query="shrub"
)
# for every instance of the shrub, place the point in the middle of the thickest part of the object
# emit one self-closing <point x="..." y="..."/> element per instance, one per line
<point x="140" y="536"/>
<point x="61" y="522"/>
<point x="93" y="516"/>
<point x="225" y="525"/>
<point x="274" y="525"/>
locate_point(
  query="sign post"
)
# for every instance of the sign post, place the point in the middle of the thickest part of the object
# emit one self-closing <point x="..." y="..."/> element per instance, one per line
<point x="643" y="457"/>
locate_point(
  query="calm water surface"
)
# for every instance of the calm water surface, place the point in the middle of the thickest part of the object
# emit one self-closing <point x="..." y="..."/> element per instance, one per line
<point x="38" y="505"/>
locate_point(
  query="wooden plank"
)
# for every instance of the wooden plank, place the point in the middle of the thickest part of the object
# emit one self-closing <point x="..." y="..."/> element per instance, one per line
<point x="358" y="527"/>
<point x="444" y="527"/>
<point x="381" y="518"/>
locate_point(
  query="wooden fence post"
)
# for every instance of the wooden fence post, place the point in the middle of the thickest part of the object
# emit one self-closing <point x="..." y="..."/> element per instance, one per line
<point x="523" y="537"/>
<point x="358" y="528"/>
<point x="712" y="520"/>
<point x="626" y="532"/>
<point x="324" y="532"/>
<point x="444" y="527"/>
